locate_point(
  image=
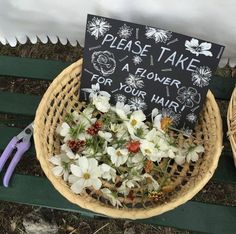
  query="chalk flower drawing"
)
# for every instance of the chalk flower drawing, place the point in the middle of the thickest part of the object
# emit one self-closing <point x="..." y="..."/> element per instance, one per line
<point x="187" y="131"/>
<point x="191" y="117"/>
<point x="159" y="35"/>
<point x="125" y="31"/>
<point x="134" y="81"/>
<point x="195" y="48"/>
<point x="137" y="59"/>
<point x="201" y="76"/>
<point x="188" y="96"/>
<point x="169" y="113"/>
<point x="137" y="103"/>
<point x="120" y="98"/>
<point x="98" y="27"/>
<point x="104" y="62"/>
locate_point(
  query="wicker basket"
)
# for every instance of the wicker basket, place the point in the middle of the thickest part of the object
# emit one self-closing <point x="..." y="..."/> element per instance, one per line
<point x="231" y="120"/>
<point x="62" y="97"/>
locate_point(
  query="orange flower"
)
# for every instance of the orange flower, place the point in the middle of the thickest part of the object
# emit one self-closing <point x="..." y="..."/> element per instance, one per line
<point x="133" y="146"/>
<point x="165" y="123"/>
<point x="149" y="166"/>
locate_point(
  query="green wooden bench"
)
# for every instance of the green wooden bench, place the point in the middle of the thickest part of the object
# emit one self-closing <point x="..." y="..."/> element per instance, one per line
<point x="35" y="190"/>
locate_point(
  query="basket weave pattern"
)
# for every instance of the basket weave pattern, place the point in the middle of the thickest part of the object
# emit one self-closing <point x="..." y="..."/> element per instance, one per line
<point x="185" y="181"/>
<point x="231" y="121"/>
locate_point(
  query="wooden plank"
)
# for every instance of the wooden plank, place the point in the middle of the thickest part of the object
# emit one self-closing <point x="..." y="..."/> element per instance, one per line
<point x="31" y="68"/>
<point x="194" y="216"/>
<point x="16" y="103"/>
<point x="224" y="173"/>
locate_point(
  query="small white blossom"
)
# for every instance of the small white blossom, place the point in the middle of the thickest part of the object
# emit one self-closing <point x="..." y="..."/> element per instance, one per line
<point x="122" y="110"/>
<point x="148" y="149"/>
<point x="85" y="174"/>
<point x="156" y="119"/>
<point x="107" y="136"/>
<point x="118" y="156"/>
<point x="61" y="163"/>
<point x="152" y="184"/>
<point x="107" y="193"/>
<point x="193" y="153"/>
<point x="95" y="90"/>
<point x="108" y="172"/>
<point x="67" y="150"/>
<point x="101" y="103"/>
<point x="64" y="129"/>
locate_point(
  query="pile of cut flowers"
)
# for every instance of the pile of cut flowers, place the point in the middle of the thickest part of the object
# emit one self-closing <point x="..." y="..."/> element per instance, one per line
<point x="116" y="152"/>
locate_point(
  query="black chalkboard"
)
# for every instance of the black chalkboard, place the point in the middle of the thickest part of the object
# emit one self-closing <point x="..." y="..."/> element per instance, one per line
<point x="148" y="67"/>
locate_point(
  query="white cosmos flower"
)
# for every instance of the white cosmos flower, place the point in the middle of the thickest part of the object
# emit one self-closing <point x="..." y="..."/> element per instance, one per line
<point x="156" y="118"/>
<point x="108" y="172"/>
<point x="85" y="174"/>
<point x="107" y="193"/>
<point x="64" y="131"/>
<point x="101" y="103"/>
<point x="105" y="135"/>
<point x="61" y="163"/>
<point x="118" y="156"/>
<point x="180" y="157"/>
<point x="152" y="184"/>
<point x="148" y="149"/>
<point x="122" y="110"/>
<point x="195" y="48"/>
<point x="85" y="118"/>
<point x="193" y="153"/>
<point x="152" y="136"/>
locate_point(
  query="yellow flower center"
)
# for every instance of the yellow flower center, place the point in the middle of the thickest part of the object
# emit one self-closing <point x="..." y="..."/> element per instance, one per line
<point x="86" y="176"/>
<point x="118" y="153"/>
<point x="147" y="151"/>
<point x="165" y="123"/>
<point x="134" y="122"/>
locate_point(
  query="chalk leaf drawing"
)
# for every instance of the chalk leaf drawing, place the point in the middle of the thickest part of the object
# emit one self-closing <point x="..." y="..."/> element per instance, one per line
<point x="201" y="76"/>
<point x="125" y="31"/>
<point x="195" y="48"/>
<point x="169" y="113"/>
<point x="137" y="103"/>
<point x="188" y="96"/>
<point x="134" y="81"/>
<point x="137" y="59"/>
<point x="104" y="62"/>
<point x="97" y="27"/>
<point x="159" y="35"/>
<point x="120" y="98"/>
<point x="191" y="117"/>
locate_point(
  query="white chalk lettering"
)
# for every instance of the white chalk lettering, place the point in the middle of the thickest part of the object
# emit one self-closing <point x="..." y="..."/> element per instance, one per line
<point x="181" y="61"/>
<point x="126" y="67"/>
<point x="133" y="91"/>
<point x="102" y="80"/>
<point x="162" y="52"/>
<point x="192" y="67"/>
<point x="171" y="59"/>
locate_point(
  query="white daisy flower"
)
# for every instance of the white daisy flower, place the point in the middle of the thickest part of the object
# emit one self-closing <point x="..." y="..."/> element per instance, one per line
<point x="159" y="35"/>
<point x="108" y="172"/>
<point x="137" y="103"/>
<point x="125" y="31"/>
<point x="98" y="27"/>
<point x="152" y="184"/>
<point x="201" y="76"/>
<point x="118" y="156"/>
<point x="180" y="157"/>
<point x="107" y="193"/>
<point x="85" y="174"/>
<point x="61" y="163"/>
<point x="148" y="150"/>
<point x="101" y="103"/>
<point x="64" y="129"/>
<point x="107" y="136"/>
<point x="134" y="81"/>
<point x="137" y="59"/>
<point x="122" y="110"/>
<point x="195" y="48"/>
<point x="156" y="119"/>
<point x="193" y="153"/>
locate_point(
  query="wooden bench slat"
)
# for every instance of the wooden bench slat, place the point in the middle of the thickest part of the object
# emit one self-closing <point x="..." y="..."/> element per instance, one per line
<point x="31" y="68"/>
<point x="225" y="172"/>
<point x="16" y="103"/>
<point x="194" y="216"/>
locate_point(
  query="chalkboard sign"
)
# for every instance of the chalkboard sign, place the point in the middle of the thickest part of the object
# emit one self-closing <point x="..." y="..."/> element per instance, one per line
<point x="148" y="67"/>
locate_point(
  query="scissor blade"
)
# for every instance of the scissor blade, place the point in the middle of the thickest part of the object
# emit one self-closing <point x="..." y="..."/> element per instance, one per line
<point x="27" y="131"/>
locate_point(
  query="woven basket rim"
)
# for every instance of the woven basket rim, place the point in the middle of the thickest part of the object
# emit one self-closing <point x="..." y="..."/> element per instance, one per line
<point x="229" y="119"/>
<point x="115" y="212"/>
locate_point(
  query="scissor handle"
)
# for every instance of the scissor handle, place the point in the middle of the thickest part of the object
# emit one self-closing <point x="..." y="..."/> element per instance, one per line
<point x="7" y="152"/>
<point x="21" y="149"/>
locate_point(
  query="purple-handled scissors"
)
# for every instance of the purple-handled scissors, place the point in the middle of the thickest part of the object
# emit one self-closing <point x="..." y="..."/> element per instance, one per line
<point x="21" y="143"/>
